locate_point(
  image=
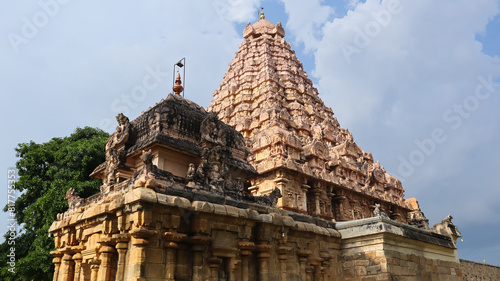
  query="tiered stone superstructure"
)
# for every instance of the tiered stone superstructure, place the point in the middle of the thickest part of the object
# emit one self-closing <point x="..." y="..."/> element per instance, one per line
<point x="296" y="144"/>
<point x="186" y="196"/>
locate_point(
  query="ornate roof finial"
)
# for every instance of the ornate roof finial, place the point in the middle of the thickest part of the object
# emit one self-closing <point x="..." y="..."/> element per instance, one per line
<point x="262" y="13"/>
<point x="177" y="87"/>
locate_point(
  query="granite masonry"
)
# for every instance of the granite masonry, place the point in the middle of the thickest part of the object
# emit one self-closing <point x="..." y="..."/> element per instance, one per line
<point x="263" y="185"/>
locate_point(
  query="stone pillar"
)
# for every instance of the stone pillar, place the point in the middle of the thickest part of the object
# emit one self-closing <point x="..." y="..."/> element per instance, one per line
<point x="245" y="252"/>
<point x="68" y="268"/>
<point x="331" y="212"/>
<point x="172" y="239"/>
<point x="77" y="258"/>
<point x="140" y="239"/>
<point x="122" y="248"/>
<point x="263" y="248"/>
<point x="214" y="264"/>
<point x="199" y="243"/>
<point x="233" y="264"/>
<point x="317" y="210"/>
<point x="303" y="254"/>
<point x="315" y="268"/>
<point x="325" y="265"/>
<point x="281" y="184"/>
<point x="282" y="257"/>
<point x="57" y="264"/>
<point x="106" y="268"/>
<point x="309" y="273"/>
<point x="94" y="269"/>
<point x="304" y="202"/>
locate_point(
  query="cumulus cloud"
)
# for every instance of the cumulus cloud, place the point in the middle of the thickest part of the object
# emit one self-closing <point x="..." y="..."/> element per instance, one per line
<point x="305" y="21"/>
<point x="411" y="82"/>
<point x="236" y="10"/>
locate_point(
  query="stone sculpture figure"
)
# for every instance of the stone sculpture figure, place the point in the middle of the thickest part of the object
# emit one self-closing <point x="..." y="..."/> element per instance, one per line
<point x="147" y="177"/>
<point x="74" y="201"/>
<point x="377" y="212"/>
<point x="191" y="172"/>
<point x="446" y="227"/>
<point x="209" y="128"/>
<point x="122" y="133"/>
<point x="271" y="199"/>
<point x="112" y="163"/>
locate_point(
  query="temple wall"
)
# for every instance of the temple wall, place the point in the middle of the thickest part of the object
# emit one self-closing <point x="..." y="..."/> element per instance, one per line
<point x="382" y="249"/>
<point x="473" y="271"/>
<point x="145" y="235"/>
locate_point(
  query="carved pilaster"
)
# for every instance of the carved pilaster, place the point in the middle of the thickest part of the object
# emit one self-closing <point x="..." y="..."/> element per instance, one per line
<point x="282" y="257"/>
<point x="140" y="239"/>
<point x="325" y="265"/>
<point x="263" y="255"/>
<point x="281" y="184"/>
<point x="303" y="254"/>
<point x="245" y="252"/>
<point x="214" y="265"/>
<point x="233" y="264"/>
<point x="77" y="258"/>
<point x="171" y="244"/>
<point x="94" y="269"/>
<point x="68" y="267"/>
<point x="57" y="264"/>
<point x="199" y="243"/>
<point x="317" y="209"/>
<point x="122" y="241"/>
<point x="309" y="273"/>
<point x="315" y="264"/>
<point x="105" y="254"/>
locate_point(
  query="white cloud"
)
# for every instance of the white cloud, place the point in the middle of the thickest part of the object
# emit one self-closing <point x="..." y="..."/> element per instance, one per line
<point x="305" y="21"/>
<point x="236" y="10"/>
<point x="391" y="69"/>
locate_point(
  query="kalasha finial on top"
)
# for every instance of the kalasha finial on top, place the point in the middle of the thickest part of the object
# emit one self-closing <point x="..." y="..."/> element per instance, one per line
<point x="262" y="15"/>
<point x="178" y="87"/>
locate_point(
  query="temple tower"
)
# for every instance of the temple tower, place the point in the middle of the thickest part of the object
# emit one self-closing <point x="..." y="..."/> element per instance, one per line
<point x="295" y="142"/>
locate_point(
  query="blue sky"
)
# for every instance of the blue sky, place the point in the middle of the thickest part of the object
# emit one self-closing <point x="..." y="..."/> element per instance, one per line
<point x="416" y="82"/>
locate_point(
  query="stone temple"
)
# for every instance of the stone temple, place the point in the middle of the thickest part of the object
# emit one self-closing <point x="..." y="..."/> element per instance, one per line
<point x="263" y="185"/>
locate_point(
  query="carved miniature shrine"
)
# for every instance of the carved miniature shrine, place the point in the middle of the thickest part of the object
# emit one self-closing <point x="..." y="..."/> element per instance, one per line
<point x="263" y="185"/>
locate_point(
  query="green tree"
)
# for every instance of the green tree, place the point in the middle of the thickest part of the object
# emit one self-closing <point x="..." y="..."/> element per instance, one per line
<point x="46" y="172"/>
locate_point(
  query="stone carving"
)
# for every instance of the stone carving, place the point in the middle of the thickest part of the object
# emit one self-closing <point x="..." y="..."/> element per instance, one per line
<point x="191" y="172"/>
<point x="377" y="212"/>
<point x="418" y="219"/>
<point x="278" y="145"/>
<point x="447" y="228"/>
<point x="74" y="201"/>
<point x="114" y="160"/>
<point x="147" y="177"/>
<point x="270" y="199"/>
<point x="211" y="130"/>
<point x="115" y="157"/>
<point x="122" y="133"/>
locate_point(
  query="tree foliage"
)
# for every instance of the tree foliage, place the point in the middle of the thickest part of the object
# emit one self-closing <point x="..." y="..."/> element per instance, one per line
<point x="46" y="171"/>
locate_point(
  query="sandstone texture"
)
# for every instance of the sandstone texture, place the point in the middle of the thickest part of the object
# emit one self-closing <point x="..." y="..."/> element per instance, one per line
<point x="264" y="185"/>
